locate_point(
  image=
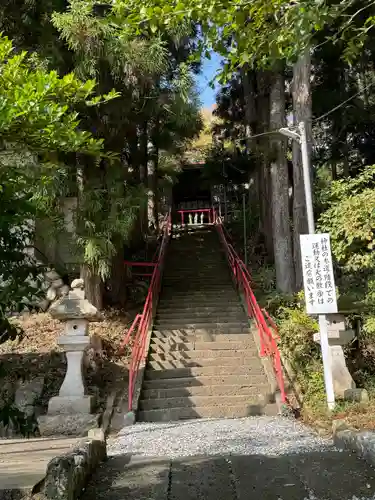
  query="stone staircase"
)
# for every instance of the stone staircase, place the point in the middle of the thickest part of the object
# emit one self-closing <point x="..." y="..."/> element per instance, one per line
<point x="203" y="361"/>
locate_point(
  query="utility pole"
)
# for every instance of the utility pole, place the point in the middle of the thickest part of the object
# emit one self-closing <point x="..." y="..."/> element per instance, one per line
<point x="324" y="344"/>
<point x="244" y="226"/>
<point x="302" y="140"/>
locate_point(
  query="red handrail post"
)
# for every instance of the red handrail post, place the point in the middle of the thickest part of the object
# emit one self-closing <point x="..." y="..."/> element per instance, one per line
<point x="241" y="275"/>
<point x="143" y="321"/>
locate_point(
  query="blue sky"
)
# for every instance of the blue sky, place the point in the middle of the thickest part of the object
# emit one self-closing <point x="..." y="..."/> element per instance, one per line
<point x="209" y="68"/>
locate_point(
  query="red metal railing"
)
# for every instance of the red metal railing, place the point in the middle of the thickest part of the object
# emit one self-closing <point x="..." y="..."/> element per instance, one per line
<point x="265" y="325"/>
<point x="199" y="213"/>
<point x="141" y="324"/>
<point x="130" y="263"/>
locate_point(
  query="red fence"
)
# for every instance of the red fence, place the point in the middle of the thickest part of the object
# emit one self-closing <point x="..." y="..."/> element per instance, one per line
<point x="266" y="327"/>
<point x="141" y="324"/>
<point x="130" y="263"/>
<point x="200" y="214"/>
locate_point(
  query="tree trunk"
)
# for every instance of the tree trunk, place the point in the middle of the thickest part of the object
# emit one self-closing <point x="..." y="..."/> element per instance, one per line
<point x="93" y="286"/>
<point x="152" y="209"/>
<point x="92" y="280"/>
<point x="334" y="170"/>
<point x="143" y="159"/>
<point x="281" y="230"/>
<point x="263" y="113"/>
<point x="143" y="153"/>
<point x="118" y="278"/>
<point x="152" y="177"/>
<point x="248" y="84"/>
<point x="302" y="112"/>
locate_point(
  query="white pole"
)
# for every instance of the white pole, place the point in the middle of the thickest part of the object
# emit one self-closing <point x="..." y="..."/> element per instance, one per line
<point x="307" y="178"/>
<point x="244" y="226"/>
<point x="225" y="203"/>
<point x="326" y="354"/>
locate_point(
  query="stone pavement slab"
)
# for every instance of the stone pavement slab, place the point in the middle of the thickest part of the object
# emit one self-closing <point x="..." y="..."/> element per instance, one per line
<point x="201" y="478"/>
<point x="23" y="462"/>
<point x="121" y="478"/>
<point x="266" y="478"/>
<point x="325" y="475"/>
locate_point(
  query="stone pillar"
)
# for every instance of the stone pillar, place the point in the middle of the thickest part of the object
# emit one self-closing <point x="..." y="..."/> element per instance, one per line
<point x="338" y="336"/>
<point x="76" y="312"/>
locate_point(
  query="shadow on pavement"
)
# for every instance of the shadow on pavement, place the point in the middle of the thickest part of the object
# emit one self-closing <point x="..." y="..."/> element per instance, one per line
<point x="325" y="475"/>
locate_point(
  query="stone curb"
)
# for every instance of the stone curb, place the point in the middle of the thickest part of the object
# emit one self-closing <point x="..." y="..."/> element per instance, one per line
<point x="100" y="433"/>
<point x="67" y="475"/>
<point x="131" y="417"/>
<point x="290" y="378"/>
<point x="266" y="362"/>
<point x="360" y="442"/>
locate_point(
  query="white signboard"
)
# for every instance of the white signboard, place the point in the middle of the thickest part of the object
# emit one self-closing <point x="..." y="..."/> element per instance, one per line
<point x="318" y="278"/>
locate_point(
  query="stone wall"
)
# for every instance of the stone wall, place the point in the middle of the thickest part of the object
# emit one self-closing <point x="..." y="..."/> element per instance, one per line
<point x="68" y="474"/>
<point x="55" y="288"/>
<point x="23" y="397"/>
<point x="59" y="249"/>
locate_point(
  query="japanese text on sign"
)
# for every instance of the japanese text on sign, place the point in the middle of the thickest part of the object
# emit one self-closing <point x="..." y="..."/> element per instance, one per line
<point x="319" y="282"/>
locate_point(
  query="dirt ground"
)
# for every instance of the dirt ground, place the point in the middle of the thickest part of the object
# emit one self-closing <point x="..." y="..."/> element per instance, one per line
<point x="37" y="354"/>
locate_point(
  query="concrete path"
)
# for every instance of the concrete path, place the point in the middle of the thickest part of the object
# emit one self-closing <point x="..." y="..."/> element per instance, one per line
<point x="23" y="462"/>
<point x="265" y="458"/>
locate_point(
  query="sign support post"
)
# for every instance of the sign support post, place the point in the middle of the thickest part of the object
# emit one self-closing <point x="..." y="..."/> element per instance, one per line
<point x="319" y="304"/>
<point x="326" y="355"/>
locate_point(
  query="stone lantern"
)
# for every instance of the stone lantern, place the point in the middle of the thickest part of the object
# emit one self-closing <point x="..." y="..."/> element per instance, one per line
<point x="76" y="312"/>
<point x="338" y="336"/>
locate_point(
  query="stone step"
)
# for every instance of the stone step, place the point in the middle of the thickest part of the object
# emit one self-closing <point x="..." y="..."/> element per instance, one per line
<point x="194" y="263"/>
<point x="234" y="411"/>
<point x="170" y="301"/>
<point x="204" y="371"/>
<point x="185" y="288"/>
<point x="187" y="284"/>
<point x="196" y="272"/>
<point x="159" y="346"/>
<point x="186" y="303"/>
<point x="202" y="356"/>
<point x="260" y="390"/>
<point x="225" y="327"/>
<point x="183" y="256"/>
<point x="219" y="317"/>
<point x="199" y="381"/>
<point x="194" y="279"/>
<point x="199" y="310"/>
<point x="201" y="306"/>
<point x="173" y="337"/>
<point x="208" y="332"/>
<point x="200" y="401"/>
<point x="228" y="292"/>
<point x="170" y="363"/>
<point x="196" y="312"/>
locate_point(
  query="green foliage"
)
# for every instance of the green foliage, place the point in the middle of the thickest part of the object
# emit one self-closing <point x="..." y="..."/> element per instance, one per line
<point x="350" y="219"/>
<point x="313" y="386"/>
<point x="36" y="124"/>
<point x="106" y="215"/>
<point x="254" y="33"/>
<point x="296" y="330"/>
<point x="35" y="106"/>
<point x="19" y="273"/>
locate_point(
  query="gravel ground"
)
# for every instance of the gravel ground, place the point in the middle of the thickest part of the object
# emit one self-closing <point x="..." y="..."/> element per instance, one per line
<point x="269" y="436"/>
<point x="270" y="458"/>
